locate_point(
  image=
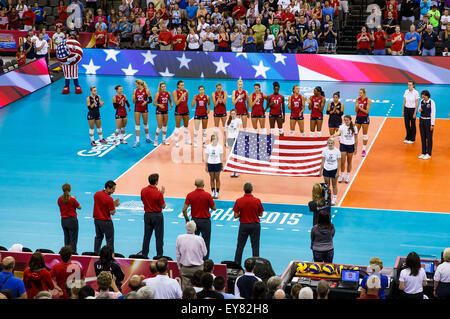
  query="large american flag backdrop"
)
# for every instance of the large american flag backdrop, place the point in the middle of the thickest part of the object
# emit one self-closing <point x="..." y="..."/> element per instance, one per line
<point x="264" y="154"/>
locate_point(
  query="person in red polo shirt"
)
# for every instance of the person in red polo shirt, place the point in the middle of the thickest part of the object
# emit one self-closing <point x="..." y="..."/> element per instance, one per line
<point x="165" y="39"/>
<point x="239" y="11"/>
<point x="100" y="37"/>
<point x="397" y="42"/>
<point x="179" y="40"/>
<point x="67" y="206"/>
<point x="104" y="207"/>
<point x="29" y="19"/>
<point x="66" y="270"/>
<point x="363" y="42"/>
<point x="200" y="202"/>
<point x="379" y="41"/>
<point x="153" y="200"/>
<point x="248" y="209"/>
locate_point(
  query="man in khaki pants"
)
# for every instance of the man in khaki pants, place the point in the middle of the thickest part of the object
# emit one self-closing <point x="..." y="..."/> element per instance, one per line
<point x="191" y="249"/>
<point x="165" y="39"/>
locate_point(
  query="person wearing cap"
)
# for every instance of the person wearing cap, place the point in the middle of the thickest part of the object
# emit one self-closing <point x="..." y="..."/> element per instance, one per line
<point x="373" y="286"/>
<point x="375" y="265"/>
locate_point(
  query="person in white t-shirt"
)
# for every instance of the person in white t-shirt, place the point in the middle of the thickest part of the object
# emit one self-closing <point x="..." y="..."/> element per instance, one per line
<point x="442" y="277"/>
<point x="330" y="167"/>
<point x="41" y="47"/>
<point x="410" y="103"/>
<point x="348" y="144"/>
<point x="232" y="127"/>
<point x="57" y="37"/>
<point x="413" y="278"/>
<point x="445" y="19"/>
<point x="214" y="154"/>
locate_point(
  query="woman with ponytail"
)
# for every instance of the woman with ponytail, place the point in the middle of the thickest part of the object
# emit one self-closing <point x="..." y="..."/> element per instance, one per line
<point x="362" y="108"/>
<point x="316" y="104"/>
<point x="335" y="110"/>
<point x="348" y="138"/>
<point x="141" y="98"/>
<point x="232" y="128"/>
<point x="162" y="100"/>
<point x="297" y="106"/>
<point x="67" y="206"/>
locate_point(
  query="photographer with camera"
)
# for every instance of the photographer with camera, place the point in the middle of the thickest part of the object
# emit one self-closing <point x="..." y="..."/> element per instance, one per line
<point x="320" y="201"/>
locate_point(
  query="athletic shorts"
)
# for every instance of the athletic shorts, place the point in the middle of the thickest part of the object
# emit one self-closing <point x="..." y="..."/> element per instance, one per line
<point x="230" y="142"/>
<point x="276" y="116"/>
<point x="258" y="116"/>
<point x="120" y="117"/>
<point x="331" y="174"/>
<point x="316" y="118"/>
<point x="93" y="116"/>
<point x="347" y="148"/>
<point x="141" y="109"/>
<point x="297" y="118"/>
<point x="334" y="122"/>
<point x="241" y="114"/>
<point x="220" y="115"/>
<point x="181" y="114"/>
<point x="161" y="112"/>
<point x="200" y="117"/>
<point x="362" y="120"/>
<point x="214" y="168"/>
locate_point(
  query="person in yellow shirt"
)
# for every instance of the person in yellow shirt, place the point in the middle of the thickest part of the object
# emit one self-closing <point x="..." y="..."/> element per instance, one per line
<point x="435" y="16"/>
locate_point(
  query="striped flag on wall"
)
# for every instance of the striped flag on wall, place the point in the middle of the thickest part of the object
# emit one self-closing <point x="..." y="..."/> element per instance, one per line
<point x="264" y="154"/>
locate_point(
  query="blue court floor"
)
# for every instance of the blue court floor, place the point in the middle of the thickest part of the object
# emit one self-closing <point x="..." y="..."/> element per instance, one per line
<point x="44" y="140"/>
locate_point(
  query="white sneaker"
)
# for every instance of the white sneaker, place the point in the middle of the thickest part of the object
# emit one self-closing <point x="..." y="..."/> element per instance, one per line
<point x="410" y="142"/>
<point x="341" y="179"/>
<point x="165" y="142"/>
<point x="406" y="141"/>
<point x="236" y="174"/>
<point x="333" y="202"/>
<point x="155" y="144"/>
<point x="347" y="179"/>
<point x="426" y="157"/>
<point x="217" y="195"/>
<point x="188" y="142"/>
<point x="204" y="145"/>
<point x="176" y="144"/>
<point x="213" y="194"/>
<point x="195" y="144"/>
<point x="422" y="156"/>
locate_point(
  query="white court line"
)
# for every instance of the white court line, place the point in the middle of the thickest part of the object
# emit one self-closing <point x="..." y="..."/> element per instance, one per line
<point x="362" y="162"/>
<point x="416" y="246"/>
<point x="395" y="210"/>
<point x="115" y="146"/>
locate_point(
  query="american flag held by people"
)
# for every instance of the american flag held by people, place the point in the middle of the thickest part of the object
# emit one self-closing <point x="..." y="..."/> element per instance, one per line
<point x="264" y="154"/>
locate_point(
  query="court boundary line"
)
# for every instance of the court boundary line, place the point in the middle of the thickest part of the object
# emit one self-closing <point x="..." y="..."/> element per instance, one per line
<point x="362" y="162"/>
<point x="396" y="210"/>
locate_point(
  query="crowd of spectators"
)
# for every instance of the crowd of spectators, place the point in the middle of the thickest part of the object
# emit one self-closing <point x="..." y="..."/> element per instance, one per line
<point x="408" y="27"/>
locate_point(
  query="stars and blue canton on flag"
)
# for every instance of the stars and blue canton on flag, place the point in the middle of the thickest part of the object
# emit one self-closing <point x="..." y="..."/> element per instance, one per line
<point x="62" y="52"/>
<point x="264" y="154"/>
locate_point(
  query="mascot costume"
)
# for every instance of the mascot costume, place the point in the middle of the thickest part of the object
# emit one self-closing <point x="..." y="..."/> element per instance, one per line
<point x="69" y="53"/>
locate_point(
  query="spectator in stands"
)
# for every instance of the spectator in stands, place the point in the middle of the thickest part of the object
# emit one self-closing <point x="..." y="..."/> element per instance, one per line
<point x="9" y="281"/>
<point x="153" y="39"/>
<point x="125" y="30"/>
<point x="279" y="294"/>
<point x="144" y="293"/>
<point x="295" y="290"/>
<point x="330" y="35"/>
<point x="223" y="38"/>
<point x="165" y="38"/>
<point x="189" y="293"/>
<point x="373" y="20"/>
<point x="42" y="48"/>
<point x="302" y="27"/>
<point x="21" y="8"/>
<point x="137" y="32"/>
<point x="317" y="11"/>
<point x="105" y="281"/>
<point x="397" y="42"/>
<point x="237" y="40"/>
<point x="363" y="42"/>
<point x="412" y="41"/>
<point x="100" y="16"/>
<point x="208" y="266"/>
<point x="100" y="37"/>
<point x="28" y="48"/>
<point x="422" y="25"/>
<point x="39" y="13"/>
<point x="85" y="292"/>
<point x="413" y="278"/>
<point x="179" y="40"/>
<point x="190" y="251"/>
<point x="13" y="19"/>
<point x="191" y="10"/>
<point x="310" y="44"/>
<point x="327" y="10"/>
<point x="108" y="263"/>
<point x="269" y="41"/>
<point x="445" y="20"/>
<point x="259" y="291"/>
<point x="125" y="8"/>
<point x="208" y="291"/>
<point x="29" y="19"/>
<point x="373" y="286"/>
<point x="250" y="41"/>
<point x="389" y="24"/>
<point x="318" y="202"/>
<point x="292" y="39"/>
<point x="429" y="39"/>
<point x="407" y="10"/>
<point x="37" y="278"/>
<point x="425" y="6"/>
<point x="89" y="22"/>
<point x="62" y="11"/>
<point x="75" y="288"/>
<point x="322" y="239"/>
<point x="446" y="39"/>
<point x="243" y="286"/>
<point x="375" y="266"/>
<point x="134" y="283"/>
<point x="4" y="21"/>
<point x="113" y="40"/>
<point x="163" y="286"/>
<point x="442" y="277"/>
<point x="306" y="293"/>
<point x="219" y="286"/>
<point x="273" y="284"/>
<point x="207" y="39"/>
<point x="195" y="280"/>
<point x="58" y="37"/>
<point x="323" y="289"/>
<point x="21" y="57"/>
<point x="62" y="270"/>
<point x="100" y="22"/>
<point x="379" y="41"/>
<point x="390" y="8"/>
<point x="434" y="15"/>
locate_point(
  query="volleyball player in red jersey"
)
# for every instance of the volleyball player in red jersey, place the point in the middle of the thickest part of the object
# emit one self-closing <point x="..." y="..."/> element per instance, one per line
<point x="161" y="101"/>
<point x="275" y="102"/>
<point x="141" y="98"/>
<point x="94" y="103"/>
<point x="119" y="102"/>
<point x="219" y="99"/>
<point x="316" y="104"/>
<point x="201" y="113"/>
<point x="240" y="100"/>
<point x="256" y="102"/>
<point x="296" y="104"/>
<point x="362" y="108"/>
<point x="180" y="99"/>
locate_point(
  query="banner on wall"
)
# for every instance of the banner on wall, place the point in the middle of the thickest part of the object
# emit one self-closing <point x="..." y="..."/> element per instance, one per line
<point x="22" y="81"/>
<point x="267" y="66"/>
<point x="129" y="267"/>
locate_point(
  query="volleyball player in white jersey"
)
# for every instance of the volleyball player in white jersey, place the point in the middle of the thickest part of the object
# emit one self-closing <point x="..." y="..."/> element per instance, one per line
<point x="330" y="167"/>
<point x="232" y="127"/>
<point x="348" y="138"/>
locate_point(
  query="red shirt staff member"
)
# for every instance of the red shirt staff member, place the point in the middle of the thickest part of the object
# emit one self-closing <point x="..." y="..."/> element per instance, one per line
<point x="248" y="209"/>
<point x="153" y="200"/>
<point x="67" y="206"/>
<point x="200" y="202"/>
<point x="104" y="207"/>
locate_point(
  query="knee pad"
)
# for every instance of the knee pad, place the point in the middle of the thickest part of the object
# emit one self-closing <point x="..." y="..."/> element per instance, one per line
<point x="146" y="127"/>
<point x="99" y="130"/>
<point x="91" y="131"/>
<point x="319" y="134"/>
<point x="122" y="130"/>
<point x="117" y="131"/>
<point x="137" y="127"/>
<point x="158" y="130"/>
<point x="365" y="138"/>
<point x="195" y="132"/>
<point x="177" y="131"/>
<point x="205" y="132"/>
<point x="164" y="129"/>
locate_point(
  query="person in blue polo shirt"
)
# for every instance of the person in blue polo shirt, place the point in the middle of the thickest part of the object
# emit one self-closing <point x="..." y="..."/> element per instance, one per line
<point x="327" y="10"/>
<point x="310" y="44"/>
<point x="40" y="14"/>
<point x="191" y="10"/>
<point x="375" y="264"/>
<point x="412" y="40"/>
<point x="8" y="281"/>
